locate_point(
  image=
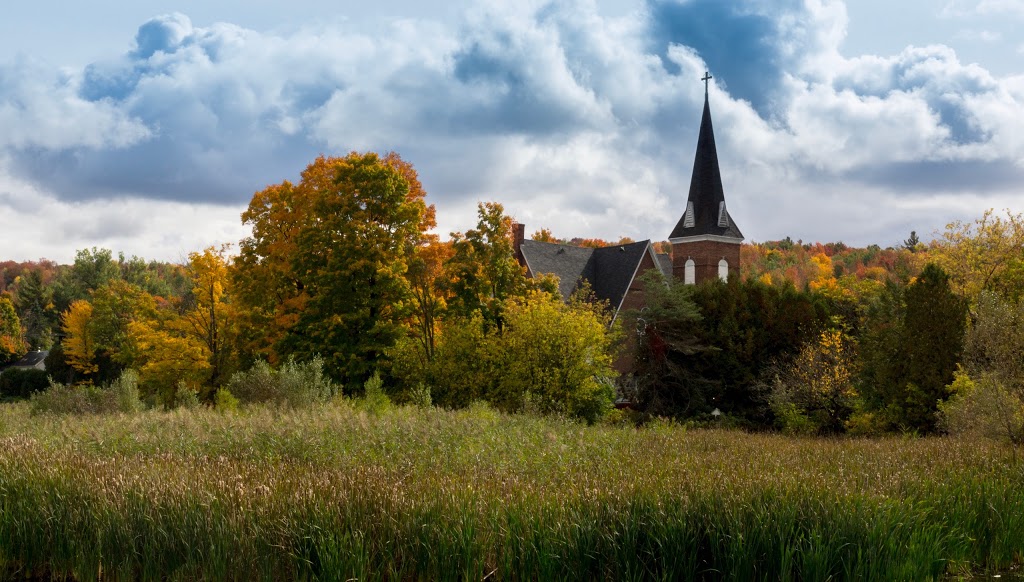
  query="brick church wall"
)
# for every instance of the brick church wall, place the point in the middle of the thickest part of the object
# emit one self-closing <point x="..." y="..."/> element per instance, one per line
<point x="705" y="255"/>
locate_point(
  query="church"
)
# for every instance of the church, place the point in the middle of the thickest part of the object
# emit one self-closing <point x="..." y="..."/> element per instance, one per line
<point x="705" y="242"/>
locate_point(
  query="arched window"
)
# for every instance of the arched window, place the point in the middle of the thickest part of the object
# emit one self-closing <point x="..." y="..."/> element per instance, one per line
<point x="723" y="270"/>
<point x="690" y="272"/>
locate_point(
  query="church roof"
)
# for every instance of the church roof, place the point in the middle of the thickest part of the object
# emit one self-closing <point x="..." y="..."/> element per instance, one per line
<point x="609" y="270"/>
<point x="705" y="212"/>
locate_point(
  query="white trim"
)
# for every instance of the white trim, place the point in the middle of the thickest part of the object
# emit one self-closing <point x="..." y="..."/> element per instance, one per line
<point x="529" y="269"/>
<point x="689" y="272"/>
<point x="706" y="237"/>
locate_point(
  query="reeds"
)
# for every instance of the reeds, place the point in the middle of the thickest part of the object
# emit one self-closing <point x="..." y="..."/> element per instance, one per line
<point x="335" y="493"/>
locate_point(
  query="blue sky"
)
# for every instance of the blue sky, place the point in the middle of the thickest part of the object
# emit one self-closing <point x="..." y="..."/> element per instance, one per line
<point x="145" y="127"/>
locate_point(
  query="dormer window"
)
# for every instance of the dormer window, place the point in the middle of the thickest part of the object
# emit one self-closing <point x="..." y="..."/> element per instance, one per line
<point x="688" y="221"/>
<point x="723" y="216"/>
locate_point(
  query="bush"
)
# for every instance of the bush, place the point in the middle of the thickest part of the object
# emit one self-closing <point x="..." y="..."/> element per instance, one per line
<point x="296" y="384"/>
<point x="374" y="398"/>
<point x="121" y="395"/>
<point x="559" y="353"/>
<point x="224" y="401"/>
<point x="983" y="407"/>
<point x="19" y="383"/>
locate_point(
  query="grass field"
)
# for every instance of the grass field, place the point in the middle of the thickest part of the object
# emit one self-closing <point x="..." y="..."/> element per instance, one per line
<point x="342" y="492"/>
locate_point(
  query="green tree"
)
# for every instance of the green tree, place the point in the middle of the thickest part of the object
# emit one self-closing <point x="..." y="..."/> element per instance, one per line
<point x="662" y="383"/>
<point x="91" y="270"/>
<point x="34" y="303"/>
<point x="750" y="326"/>
<point x="913" y="341"/>
<point x="483" y="271"/>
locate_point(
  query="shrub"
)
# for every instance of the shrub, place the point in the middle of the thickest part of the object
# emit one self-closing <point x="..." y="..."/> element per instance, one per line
<point x="224" y="401"/>
<point x="374" y="398"/>
<point x="983" y="407"/>
<point x="21" y="383"/>
<point x="121" y="395"/>
<point x="296" y="384"/>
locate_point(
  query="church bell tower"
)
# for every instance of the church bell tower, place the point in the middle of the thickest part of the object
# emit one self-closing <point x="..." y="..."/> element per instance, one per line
<point x="706" y="241"/>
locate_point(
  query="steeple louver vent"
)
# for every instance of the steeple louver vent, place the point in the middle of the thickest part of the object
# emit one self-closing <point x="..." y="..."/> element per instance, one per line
<point x="688" y="221"/>
<point x="723" y="216"/>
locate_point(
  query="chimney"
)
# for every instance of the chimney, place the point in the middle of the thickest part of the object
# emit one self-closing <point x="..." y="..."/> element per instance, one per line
<point x="518" y="236"/>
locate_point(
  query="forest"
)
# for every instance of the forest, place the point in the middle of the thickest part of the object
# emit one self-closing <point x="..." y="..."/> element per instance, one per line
<point x="342" y="277"/>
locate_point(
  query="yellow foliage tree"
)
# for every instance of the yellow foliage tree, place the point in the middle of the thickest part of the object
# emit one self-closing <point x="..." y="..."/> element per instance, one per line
<point x="169" y="354"/>
<point x="986" y="255"/>
<point x="79" y="343"/>
<point x="210" y="315"/>
<point x="815" y="392"/>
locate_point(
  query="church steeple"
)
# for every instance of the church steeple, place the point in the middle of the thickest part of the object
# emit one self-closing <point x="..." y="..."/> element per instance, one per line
<point x="705" y="241"/>
<point x="706" y="213"/>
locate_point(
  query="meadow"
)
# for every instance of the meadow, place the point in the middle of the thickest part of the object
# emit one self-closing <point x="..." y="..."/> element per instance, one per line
<point x="352" y="491"/>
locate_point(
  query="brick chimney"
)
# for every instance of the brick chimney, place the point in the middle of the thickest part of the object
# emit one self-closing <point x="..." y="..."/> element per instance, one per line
<point x="518" y="236"/>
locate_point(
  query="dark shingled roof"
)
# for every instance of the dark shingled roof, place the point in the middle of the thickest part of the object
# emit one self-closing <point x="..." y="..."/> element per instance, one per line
<point x="609" y="270"/>
<point x="30" y="360"/>
<point x="706" y="191"/>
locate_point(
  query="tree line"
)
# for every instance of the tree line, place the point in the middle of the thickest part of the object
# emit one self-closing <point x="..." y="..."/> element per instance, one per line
<point x="342" y="269"/>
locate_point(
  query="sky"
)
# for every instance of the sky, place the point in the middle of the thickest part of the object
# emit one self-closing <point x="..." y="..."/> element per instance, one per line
<point x="145" y="127"/>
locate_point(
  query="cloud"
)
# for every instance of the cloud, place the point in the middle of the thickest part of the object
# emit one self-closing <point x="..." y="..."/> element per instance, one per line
<point x="961" y="8"/>
<point x="578" y="122"/>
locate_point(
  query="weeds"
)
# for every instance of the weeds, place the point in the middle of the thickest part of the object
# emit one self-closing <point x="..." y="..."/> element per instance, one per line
<point x="344" y="492"/>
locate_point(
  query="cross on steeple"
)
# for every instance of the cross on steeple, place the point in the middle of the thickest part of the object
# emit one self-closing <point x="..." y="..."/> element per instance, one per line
<point x="707" y="77"/>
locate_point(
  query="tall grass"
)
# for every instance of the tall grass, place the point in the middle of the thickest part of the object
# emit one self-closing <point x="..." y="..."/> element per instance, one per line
<point x="340" y="492"/>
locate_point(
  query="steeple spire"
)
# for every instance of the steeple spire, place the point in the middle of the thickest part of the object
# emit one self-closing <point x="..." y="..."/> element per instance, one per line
<point x="705" y="206"/>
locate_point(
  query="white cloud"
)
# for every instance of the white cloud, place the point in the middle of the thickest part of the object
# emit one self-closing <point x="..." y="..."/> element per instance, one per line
<point x="572" y="120"/>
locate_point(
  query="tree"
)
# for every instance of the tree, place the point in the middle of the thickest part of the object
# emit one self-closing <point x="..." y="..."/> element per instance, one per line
<point x="549" y="355"/>
<point x="666" y="340"/>
<point x="115" y="306"/>
<point x="34" y="302"/>
<point x="208" y="314"/>
<point x="912" y="243"/>
<point x="325" y="270"/>
<point x="11" y="345"/>
<point x="912" y="343"/>
<point x="483" y="272"/>
<point x="988" y="393"/>
<point x="987" y="254"/>
<point x="168" y="355"/>
<point x="814" y="392"/>
<point x="429" y="298"/>
<point x="79" y="342"/>
<point x="92" y="269"/>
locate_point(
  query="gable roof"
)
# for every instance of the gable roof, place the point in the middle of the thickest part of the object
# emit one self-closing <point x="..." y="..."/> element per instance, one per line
<point x="566" y="262"/>
<point x="36" y="360"/>
<point x="609" y="270"/>
<point x="706" y="201"/>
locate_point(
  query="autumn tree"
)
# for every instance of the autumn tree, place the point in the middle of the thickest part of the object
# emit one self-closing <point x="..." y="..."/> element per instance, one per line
<point x="79" y="344"/>
<point x="814" y="392"/>
<point x="985" y="255"/>
<point x="483" y="271"/>
<point x="325" y="269"/>
<point x="988" y="392"/>
<point x="426" y="277"/>
<point x="208" y="314"/>
<point x="11" y="345"/>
